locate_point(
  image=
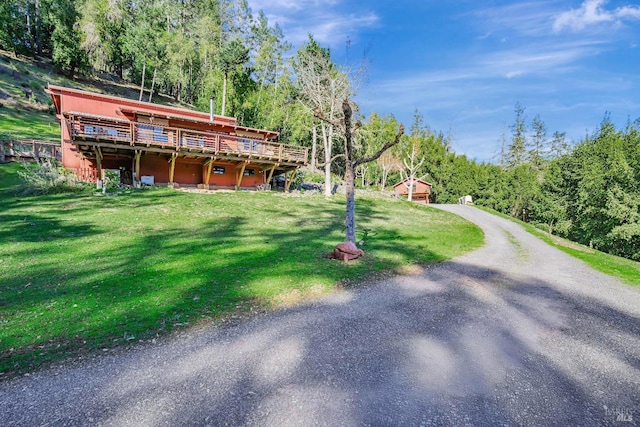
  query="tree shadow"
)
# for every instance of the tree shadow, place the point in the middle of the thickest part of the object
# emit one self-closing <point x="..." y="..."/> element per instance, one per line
<point x="133" y="289"/>
<point x="455" y="345"/>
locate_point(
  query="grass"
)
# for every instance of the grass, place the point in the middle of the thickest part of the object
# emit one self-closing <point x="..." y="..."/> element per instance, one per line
<point x="81" y="273"/>
<point x="521" y="252"/>
<point x="626" y="270"/>
<point x="33" y="118"/>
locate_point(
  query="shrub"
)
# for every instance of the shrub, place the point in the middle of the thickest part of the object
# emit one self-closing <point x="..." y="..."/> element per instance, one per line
<point x="111" y="180"/>
<point x="35" y="86"/>
<point x="46" y="177"/>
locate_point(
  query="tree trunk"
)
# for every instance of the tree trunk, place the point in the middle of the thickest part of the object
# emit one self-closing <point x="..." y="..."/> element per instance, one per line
<point x="350" y="217"/>
<point x="38" y="29"/>
<point x="383" y="180"/>
<point x="410" y="197"/>
<point x="327" y="137"/>
<point x="144" y="70"/>
<point x="153" y="83"/>
<point x="314" y="147"/>
<point x="224" y="95"/>
<point x="349" y="176"/>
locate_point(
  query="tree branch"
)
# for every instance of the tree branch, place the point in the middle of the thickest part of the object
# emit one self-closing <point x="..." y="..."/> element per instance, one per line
<point x="384" y="148"/>
<point x="337" y="156"/>
<point x="320" y="115"/>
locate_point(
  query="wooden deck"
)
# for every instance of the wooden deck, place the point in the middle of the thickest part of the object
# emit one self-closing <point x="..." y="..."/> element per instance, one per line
<point x="88" y="131"/>
<point x="28" y="149"/>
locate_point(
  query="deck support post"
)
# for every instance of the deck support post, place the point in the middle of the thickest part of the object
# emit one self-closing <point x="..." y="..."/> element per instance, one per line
<point x="241" y="175"/>
<point x="207" y="178"/>
<point x="137" y="182"/>
<point x="98" y="152"/>
<point x="271" y="174"/>
<point x="289" y="180"/>
<point x="172" y="168"/>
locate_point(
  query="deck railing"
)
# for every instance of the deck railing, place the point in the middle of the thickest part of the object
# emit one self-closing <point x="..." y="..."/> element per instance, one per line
<point x="14" y="149"/>
<point x="118" y="131"/>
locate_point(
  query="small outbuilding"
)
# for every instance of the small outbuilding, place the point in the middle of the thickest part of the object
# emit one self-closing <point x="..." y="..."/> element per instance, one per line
<point x="420" y="190"/>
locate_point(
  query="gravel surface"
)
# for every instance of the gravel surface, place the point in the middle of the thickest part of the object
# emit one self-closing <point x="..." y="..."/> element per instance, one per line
<point x="516" y="334"/>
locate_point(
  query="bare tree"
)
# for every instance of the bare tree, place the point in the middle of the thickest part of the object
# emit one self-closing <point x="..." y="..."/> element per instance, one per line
<point x="412" y="163"/>
<point x="351" y="162"/>
<point x="388" y="162"/>
<point x="323" y="87"/>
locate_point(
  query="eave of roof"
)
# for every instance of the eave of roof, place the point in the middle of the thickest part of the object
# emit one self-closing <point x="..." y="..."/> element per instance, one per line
<point x="415" y="179"/>
<point x="162" y="110"/>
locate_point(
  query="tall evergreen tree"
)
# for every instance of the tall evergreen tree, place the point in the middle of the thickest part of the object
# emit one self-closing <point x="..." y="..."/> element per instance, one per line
<point x="539" y="142"/>
<point x="517" y="151"/>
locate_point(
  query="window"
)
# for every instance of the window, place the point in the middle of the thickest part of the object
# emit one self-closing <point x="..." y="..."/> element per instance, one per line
<point x="249" y="172"/>
<point x="218" y="170"/>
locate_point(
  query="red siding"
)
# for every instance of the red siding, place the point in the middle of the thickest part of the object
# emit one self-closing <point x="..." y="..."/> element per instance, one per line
<point x="187" y="171"/>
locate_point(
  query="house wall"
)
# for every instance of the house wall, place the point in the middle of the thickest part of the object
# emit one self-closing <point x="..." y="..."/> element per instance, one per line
<point x="420" y="193"/>
<point x="187" y="171"/>
<point x="230" y="176"/>
<point x="420" y="188"/>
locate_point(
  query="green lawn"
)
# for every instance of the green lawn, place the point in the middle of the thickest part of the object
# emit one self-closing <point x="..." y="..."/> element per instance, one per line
<point x="80" y="273"/>
<point x="624" y="269"/>
<point x="24" y="118"/>
<point x="24" y="124"/>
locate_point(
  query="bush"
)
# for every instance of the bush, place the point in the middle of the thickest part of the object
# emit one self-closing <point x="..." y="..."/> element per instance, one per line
<point x="35" y="86"/>
<point x="47" y="177"/>
<point x="111" y="181"/>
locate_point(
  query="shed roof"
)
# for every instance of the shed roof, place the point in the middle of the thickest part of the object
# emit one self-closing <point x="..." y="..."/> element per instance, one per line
<point x="414" y="180"/>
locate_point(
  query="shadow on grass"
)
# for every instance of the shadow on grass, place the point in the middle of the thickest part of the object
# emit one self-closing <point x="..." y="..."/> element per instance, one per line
<point x="433" y="350"/>
<point x="447" y="347"/>
<point x="81" y="287"/>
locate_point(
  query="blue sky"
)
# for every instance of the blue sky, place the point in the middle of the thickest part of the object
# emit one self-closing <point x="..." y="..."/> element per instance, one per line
<point x="465" y="64"/>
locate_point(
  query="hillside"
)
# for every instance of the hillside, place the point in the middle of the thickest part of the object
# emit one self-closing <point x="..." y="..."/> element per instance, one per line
<point x="24" y="117"/>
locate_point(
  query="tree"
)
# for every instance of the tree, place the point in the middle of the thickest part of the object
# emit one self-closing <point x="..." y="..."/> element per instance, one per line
<point x="230" y="57"/>
<point x="388" y="162"/>
<point x="352" y="161"/>
<point x="374" y="132"/>
<point x="412" y="157"/>
<point x="67" y="53"/>
<point x="322" y="88"/>
<point x="538" y="143"/>
<point x="516" y="154"/>
<point x="559" y="146"/>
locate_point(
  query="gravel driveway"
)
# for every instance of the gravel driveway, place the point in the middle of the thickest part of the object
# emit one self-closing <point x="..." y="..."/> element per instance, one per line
<point x="516" y="333"/>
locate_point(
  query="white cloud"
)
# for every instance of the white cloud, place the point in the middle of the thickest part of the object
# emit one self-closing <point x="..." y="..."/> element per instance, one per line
<point x="526" y="18"/>
<point x="329" y="21"/>
<point x="592" y="12"/>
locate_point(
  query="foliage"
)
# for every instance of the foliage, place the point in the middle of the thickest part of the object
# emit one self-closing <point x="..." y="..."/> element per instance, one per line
<point x="47" y="177"/>
<point x="322" y="87"/>
<point x="82" y="273"/>
<point x="626" y="270"/>
<point x="67" y="53"/>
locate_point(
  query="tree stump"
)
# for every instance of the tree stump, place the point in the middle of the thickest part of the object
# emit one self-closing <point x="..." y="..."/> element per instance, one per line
<point x="345" y="251"/>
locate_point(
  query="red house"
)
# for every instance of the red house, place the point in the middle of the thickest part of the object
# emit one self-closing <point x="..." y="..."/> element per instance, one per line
<point x="420" y="192"/>
<point x="152" y="143"/>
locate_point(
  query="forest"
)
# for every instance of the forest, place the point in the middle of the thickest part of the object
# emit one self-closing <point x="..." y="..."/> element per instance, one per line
<point x="194" y="50"/>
